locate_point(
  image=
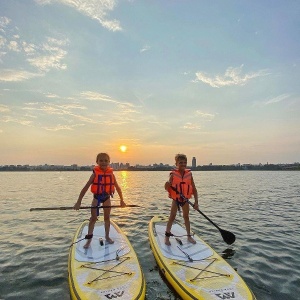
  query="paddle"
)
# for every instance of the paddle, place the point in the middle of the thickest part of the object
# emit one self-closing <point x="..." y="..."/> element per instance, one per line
<point x="81" y="207"/>
<point x="227" y="236"/>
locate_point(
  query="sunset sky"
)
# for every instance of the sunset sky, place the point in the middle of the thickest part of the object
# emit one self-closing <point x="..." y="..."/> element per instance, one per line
<point x="218" y="80"/>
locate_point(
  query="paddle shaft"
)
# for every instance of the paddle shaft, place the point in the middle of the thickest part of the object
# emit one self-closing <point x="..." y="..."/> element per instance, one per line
<point x="81" y="207"/>
<point x="205" y="216"/>
<point x="228" y="237"/>
<point x="187" y="200"/>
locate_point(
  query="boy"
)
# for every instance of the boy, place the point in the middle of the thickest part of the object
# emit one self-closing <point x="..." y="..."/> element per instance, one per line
<point x="180" y="182"/>
<point x="103" y="184"/>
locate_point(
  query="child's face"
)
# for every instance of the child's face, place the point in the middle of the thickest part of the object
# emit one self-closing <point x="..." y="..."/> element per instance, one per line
<point x="103" y="162"/>
<point x="181" y="164"/>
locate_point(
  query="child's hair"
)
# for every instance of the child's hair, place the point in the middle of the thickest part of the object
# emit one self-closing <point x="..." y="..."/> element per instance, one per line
<point x="102" y="154"/>
<point x="180" y="156"/>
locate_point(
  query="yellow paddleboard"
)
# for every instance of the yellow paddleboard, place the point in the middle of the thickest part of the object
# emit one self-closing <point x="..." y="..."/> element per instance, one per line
<point x="104" y="271"/>
<point x="195" y="271"/>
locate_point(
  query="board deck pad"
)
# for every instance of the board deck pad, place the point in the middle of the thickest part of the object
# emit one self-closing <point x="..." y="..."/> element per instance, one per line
<point x="198" y="251"/>
<point x="97" y="252"/>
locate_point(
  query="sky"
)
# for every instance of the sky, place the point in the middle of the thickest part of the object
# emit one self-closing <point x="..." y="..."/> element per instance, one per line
<point x="216" y="80"/>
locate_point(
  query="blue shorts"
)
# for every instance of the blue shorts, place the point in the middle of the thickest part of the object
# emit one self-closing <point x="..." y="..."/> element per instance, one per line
<point x="101" y="198"/>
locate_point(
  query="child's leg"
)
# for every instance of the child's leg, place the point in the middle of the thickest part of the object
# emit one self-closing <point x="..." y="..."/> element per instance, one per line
<point x="185" y="212"/>
<point x="93" y="220"/>
<point x="106" y="213"/>
<point x="170" y="222"/>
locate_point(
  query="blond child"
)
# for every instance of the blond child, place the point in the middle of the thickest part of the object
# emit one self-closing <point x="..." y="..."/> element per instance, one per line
<point x="180" y="182"/>
<point x="103" y="184"/>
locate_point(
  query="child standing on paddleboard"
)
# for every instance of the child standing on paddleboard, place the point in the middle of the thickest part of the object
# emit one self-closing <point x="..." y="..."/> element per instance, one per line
<point x="181" y="183"/>
<point x="103" y="184"/>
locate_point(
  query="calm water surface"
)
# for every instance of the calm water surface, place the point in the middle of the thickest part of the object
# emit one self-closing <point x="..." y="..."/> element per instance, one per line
<point x="260" y="207"/>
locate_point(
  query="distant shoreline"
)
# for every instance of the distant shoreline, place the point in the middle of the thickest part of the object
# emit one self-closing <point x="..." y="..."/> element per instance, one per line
<point x="74" y="168"/>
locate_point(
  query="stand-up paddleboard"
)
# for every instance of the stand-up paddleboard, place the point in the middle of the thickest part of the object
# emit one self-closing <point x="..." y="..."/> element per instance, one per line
<point x="195" y="271"/>
<point x="104" y="271"/>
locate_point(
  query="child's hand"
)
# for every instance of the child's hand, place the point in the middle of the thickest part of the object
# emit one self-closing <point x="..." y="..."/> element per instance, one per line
<point x="122" y="203"/>
<point x="77" y="205"/>
<point x="167" y="185"/>
<point x="196" y="206"/>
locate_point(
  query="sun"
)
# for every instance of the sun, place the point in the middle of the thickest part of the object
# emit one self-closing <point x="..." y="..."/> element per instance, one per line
<point x="123" y="148"/>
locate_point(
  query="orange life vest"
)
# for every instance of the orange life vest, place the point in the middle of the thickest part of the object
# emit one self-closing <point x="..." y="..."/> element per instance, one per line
<point x="103" y="182"/>
<point x="182" y="184"/>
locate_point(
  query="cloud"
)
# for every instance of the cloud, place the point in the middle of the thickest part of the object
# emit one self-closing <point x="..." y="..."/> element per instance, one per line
<point x="4" y="21"/>
<point x="231" y="77"/>
<point x="16" y="75"/>
<point x="51" y="95"/>
<point x="67" y="116"/>
<point x="2" y="41"/>
<point x="53" y="109"/>
<point x="8" y="119"/>
<point x="60" y="127"/>
<point x="29" y="48"/>
<point x="277" y="99"/>
<point x="44" y="56"/>
<point x="191" y="126"/>
<point x="205" y="115"/>
<point x="271" y="101"/>
<point x="49" y="55"/>
<point x="66" y="112"/>
<point x="145" y="48"/>
<point x="4" y="108"/>
<point x="94" y="9"/>
<point x="14" y="46"/>
<point x="93" y="96"/>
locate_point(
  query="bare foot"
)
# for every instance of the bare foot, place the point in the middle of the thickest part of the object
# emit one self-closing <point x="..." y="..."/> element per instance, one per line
<point x="87" y="244"/>
<point x="191" y="240"/>
<point x="109" y="240"/>
<point x="167" y="241"/>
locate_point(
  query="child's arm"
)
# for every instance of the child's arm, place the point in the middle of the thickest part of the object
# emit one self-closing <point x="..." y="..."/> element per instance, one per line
<point x="195" y="195"/>
<point x="168" y="184"/>
<point x="83" y="191"/>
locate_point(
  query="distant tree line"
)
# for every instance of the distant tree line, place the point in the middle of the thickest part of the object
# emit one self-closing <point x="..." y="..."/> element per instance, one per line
<point x="238" y="167"/>
<point x="267" y="167"/>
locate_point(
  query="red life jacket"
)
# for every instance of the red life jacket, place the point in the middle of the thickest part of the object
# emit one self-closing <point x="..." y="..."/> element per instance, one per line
<point x="103" y="182"/>
<point x="182" y="184"/>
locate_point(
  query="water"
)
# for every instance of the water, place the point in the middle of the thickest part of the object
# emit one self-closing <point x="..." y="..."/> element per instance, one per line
<point x="260" y="207"/>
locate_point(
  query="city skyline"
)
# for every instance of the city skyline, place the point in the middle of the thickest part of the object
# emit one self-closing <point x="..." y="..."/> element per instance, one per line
<point x="122" y="165"/>
<point x="156" y="167"/>
<point x="215" y="80"/>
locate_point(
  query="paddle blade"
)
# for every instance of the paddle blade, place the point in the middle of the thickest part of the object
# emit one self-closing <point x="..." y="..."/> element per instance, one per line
<point x="228" y="237"/>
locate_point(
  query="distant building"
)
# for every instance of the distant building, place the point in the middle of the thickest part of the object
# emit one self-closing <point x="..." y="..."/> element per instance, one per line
<point x="194" y="164"/>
